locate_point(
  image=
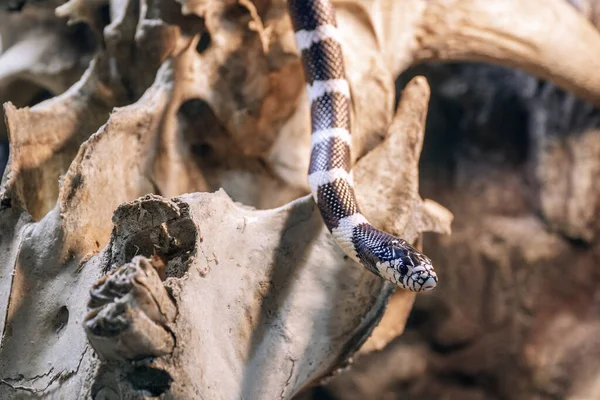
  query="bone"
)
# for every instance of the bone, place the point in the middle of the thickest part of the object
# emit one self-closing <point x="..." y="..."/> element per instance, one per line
<point x="231" y="113"/>
<point x="284" y="271"/>
<point x="547" y="38"/>
<point x="127" y="311"/>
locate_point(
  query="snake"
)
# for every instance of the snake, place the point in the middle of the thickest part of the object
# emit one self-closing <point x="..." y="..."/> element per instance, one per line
<point x="329" y="176"/>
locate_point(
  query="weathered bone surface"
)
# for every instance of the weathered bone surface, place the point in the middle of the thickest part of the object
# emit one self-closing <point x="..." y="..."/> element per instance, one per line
<point x="511" y="33"/>
<point x="246" y="285"/>
<point x="208" y="100"/>
<point x="590" y="8"/>
<point x="81" y="222"/>
<point x="39" y="56"/>
<point x="127" y="306"/>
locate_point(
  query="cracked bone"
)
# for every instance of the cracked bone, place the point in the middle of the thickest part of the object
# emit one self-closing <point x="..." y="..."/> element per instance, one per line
<point x="278" y="271"/>
<point x="256" y="123"/>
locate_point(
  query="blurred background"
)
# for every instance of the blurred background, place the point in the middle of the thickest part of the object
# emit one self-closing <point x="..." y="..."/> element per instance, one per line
<point x="517" y="161"/>
<point x="513" y="157"/>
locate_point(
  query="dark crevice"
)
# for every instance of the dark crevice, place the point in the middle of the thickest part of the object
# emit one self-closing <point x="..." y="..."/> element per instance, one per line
<point x="448" y="348"/>
<point x="13" y="5"/>
<point x="61" y="319"/>
<point x="151" y="380"/>
<point x="203" y="43"/>
<point x="579" y="244"/>
<point x="208" y="140"/>
<point x="462" y="379"/>
<point x="5" y="203"/>
<point x="104" y="14"/>
<point x="83" y="38"/>
<point x="468" y="117"/>
<point x="40" y="96"/>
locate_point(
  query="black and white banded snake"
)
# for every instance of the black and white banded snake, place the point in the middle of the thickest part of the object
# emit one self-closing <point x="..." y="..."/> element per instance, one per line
<point x="330" y="176"/>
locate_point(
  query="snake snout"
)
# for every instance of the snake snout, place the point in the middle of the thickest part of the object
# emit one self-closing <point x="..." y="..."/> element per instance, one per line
<point x="429" y="283"/>
<point x="424" y="280"/>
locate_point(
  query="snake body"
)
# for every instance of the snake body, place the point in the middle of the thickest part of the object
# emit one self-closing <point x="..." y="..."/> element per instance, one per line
<point x="330" y="177"/>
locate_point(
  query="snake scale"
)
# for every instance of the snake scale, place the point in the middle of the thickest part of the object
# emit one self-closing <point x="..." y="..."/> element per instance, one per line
<point x="329" y="176"/>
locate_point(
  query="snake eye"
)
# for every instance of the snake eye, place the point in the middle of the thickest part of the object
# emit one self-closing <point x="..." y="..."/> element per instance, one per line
<point x="402" y="268"/>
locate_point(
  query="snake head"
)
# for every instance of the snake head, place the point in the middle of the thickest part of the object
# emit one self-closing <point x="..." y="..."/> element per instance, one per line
<point x="421" y="277"/>
<point x="408" y="268"/>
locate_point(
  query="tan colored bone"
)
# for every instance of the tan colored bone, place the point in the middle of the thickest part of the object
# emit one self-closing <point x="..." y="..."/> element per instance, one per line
<point x="547" y="38"/>
<point x="259" y="106"/>
<point x="128" y="308"/>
